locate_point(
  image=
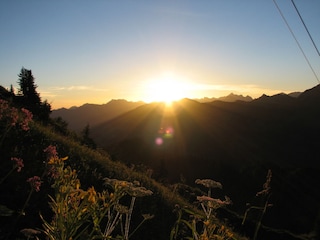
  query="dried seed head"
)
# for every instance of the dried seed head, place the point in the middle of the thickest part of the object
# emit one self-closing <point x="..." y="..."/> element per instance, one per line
<point x="209" y="183"/>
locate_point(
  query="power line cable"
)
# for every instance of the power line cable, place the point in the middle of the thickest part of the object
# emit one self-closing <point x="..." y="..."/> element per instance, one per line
<point x="305" y="27"/>
<point x="292" y="33"/>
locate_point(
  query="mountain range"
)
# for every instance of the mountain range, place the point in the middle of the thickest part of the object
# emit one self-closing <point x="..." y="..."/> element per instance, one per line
<point x="93" y="114"/>
<point x="226" y="130"/>
<point x="232" y="142"/>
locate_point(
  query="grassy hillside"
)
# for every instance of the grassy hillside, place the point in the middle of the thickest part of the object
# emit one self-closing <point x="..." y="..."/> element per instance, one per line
<point x="22" y="204"/>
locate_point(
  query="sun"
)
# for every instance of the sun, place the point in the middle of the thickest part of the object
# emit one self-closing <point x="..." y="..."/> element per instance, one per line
<point x="167" y="88"/>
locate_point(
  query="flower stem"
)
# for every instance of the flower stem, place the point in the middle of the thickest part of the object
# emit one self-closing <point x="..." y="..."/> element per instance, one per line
<point x="128" y="219"/>
<point x="260" y="220"/>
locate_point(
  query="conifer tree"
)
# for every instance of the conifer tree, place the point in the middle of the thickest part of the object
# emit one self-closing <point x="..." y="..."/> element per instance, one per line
<point x="28" y="88"/>
<point x="11" y="90"/>
<point x="29" y="98"/>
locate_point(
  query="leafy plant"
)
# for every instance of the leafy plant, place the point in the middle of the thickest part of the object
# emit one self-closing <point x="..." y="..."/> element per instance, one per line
<point x="80" y="214"/>
<point x="200" y="226"/>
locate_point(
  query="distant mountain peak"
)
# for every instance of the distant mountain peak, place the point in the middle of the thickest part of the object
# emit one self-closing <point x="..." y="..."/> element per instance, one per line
<point x="234" y="97"/>
<point x="229" y="98"/>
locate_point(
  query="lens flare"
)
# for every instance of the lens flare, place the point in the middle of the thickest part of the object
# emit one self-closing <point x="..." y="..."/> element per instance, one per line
<point x="168" y="132"/>
<point x="158" y="141"/>
<point x="163" y="134"/>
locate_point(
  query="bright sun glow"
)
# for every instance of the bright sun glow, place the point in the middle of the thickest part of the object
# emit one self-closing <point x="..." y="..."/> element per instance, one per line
<point x="167" y="88"/>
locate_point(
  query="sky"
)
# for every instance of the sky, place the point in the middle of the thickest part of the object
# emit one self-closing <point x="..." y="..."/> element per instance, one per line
<point x="95" y="51"/>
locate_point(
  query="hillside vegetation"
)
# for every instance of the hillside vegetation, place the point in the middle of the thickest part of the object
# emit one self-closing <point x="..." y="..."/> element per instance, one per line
<point x="168" y="151"/>
<point x="28" y="186"/>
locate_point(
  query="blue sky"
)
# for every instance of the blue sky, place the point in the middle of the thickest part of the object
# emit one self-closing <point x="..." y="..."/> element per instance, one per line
<point x="94" y="51"/>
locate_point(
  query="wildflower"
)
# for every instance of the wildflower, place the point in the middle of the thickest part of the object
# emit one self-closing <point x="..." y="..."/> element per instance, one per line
<point x="92" y="195"/>
<point x="35" y="183"/>
<point x="52" y="171"/>
<point x="51" y="152"/>
<point x="139" y="191"/>
<point x="209" y="183"/>
<point x="113" y="182"/>
<point x="18" y="163"/>
<point x="266" y="186"/>
<point x="28" y="118"/>
<point x="204" y="198"/>
<point x="206" y="223"/>
<point x="121" y="209"/>
<point x="211" y="200"/>
<point x="117" y="184"/>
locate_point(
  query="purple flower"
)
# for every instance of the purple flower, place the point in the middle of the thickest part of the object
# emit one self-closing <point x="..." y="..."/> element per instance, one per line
<point x="28" y="118"/>
<point x="18" y="163"/>
<point x="51" y="152"/>
<point x="35" y="183"/>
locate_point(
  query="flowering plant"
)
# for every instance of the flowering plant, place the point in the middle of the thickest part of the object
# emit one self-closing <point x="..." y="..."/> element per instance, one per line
<point x="11" y="117"/>
<point x="202" y="227"/>
<point x="87" y="214"/>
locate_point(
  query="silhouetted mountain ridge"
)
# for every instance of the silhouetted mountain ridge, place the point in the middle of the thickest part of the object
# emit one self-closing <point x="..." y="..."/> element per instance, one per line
<point x="233" y="142"/>
<point x="93" y="114"/>
<point x="230" y="98"/>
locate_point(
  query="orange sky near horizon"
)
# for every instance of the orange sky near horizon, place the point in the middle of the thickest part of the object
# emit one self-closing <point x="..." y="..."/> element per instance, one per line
<point x="93" y="52"/>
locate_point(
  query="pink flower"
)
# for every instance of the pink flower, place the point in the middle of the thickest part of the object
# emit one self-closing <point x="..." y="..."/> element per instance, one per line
<point x="267" y="185"/>
<point x="27" y="118"/>
<point x="18" y="163"/>
<point x="35" y="183"/>
<point x="51" y="152"/>
<point x="52" y="172"/>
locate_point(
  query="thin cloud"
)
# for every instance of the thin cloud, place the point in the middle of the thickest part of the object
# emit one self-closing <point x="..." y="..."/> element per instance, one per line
<point x="79" y="88"/>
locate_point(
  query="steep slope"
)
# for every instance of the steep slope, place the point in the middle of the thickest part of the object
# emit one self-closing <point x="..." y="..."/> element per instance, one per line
<point x="91" y="167"/>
